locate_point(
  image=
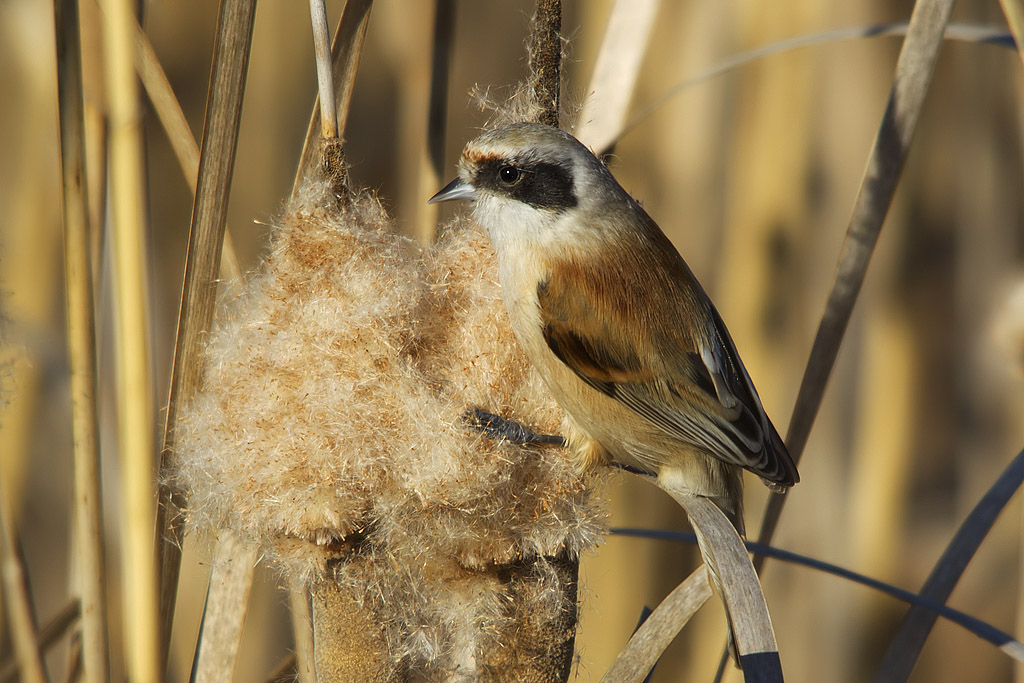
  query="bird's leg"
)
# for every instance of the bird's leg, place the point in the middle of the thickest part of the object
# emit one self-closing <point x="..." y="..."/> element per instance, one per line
<point x="634" y="470"/>
<point x="496" y="427"/>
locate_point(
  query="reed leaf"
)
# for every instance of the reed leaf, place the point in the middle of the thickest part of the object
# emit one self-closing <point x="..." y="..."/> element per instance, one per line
<point x="206" y="237"/>
<point x="641" y="653"/>
<point x="984" y="630"/>
<point x="616" y="72"/>
<point x="227" y="602"/>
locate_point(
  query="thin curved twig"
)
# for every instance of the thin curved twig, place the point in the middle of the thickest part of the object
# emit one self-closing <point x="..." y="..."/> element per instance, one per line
<point x="917" y="624"/>
<point x="1004" y="641"/>
<point x="990" y="35"/>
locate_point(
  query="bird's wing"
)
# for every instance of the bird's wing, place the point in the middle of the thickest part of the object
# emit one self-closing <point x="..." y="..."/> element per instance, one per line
<point x="695" y="391"/>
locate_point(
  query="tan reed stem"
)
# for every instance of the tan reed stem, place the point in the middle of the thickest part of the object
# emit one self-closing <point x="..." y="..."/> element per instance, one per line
<point x="81" y="332"/>
<point x="322" y="48"/>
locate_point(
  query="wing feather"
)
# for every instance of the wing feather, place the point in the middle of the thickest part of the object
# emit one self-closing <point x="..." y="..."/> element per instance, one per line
<point x="695" y="389"/>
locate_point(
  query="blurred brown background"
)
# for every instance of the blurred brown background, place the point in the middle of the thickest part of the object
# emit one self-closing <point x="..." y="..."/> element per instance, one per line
<point x="752" y="174"/>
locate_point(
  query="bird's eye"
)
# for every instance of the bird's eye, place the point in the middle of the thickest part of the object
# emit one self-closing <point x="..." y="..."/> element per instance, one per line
<point x="509" y="175"/>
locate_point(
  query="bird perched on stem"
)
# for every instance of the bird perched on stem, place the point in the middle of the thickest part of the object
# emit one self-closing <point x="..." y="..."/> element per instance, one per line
<point x="610" y="314"/>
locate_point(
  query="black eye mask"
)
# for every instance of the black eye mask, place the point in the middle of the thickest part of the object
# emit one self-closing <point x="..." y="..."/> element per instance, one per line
<point x="539" y="184"/>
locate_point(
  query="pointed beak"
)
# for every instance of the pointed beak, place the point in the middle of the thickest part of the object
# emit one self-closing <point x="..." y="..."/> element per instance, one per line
<point x="456" y="189"/>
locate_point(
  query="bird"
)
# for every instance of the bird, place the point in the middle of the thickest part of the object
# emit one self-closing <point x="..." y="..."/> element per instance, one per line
<point x="604" y="306"/>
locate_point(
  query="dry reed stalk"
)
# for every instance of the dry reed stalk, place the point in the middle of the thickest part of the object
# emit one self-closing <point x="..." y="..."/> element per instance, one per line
<point x="220" y="134"/>
<point x="206" y="237"/>
<point x="20" y="616"/>
<point x="906" y="645"/>
<point x="95" y="114"/>
<point x="322" y="48"/>
<point x="616" y="72"/>
<point x="49" y="635"/>
<point x="81" y="333"/>
<point x="135" y="386"/>
<point x="302" y="627"/>
<point x="652" y="638"/>
<point x="1014" y="11"/>
<point x="227" y="602"/>
<point x="914" y="69"/>
<point x="172" y="118"/>
<point x="346" y="50"/>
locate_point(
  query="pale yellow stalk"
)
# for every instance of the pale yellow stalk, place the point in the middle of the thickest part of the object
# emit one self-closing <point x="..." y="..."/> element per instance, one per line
<point x="135" y="389"/>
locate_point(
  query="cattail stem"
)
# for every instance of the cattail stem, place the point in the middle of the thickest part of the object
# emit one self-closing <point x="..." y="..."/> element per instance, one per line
<point x="546" y="59"/>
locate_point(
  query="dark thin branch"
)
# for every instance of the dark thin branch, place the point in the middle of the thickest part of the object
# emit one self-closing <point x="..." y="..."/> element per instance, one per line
<point x="906" y="646"/>
<point x="914" y="70"/>
<point x="980" y="628"/>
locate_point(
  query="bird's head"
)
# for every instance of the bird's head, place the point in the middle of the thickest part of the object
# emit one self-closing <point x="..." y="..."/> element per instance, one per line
<point x="534" y="183"/>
